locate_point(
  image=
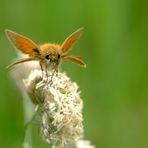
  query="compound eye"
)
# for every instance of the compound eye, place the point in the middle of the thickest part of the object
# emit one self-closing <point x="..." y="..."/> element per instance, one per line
<point x="47" y="57"/>
<point x="59" y="56"/>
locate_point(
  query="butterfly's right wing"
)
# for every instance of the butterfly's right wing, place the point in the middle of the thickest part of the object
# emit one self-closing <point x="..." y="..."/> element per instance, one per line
<point x="22" y="43"/>
<point x="20" y="61"/>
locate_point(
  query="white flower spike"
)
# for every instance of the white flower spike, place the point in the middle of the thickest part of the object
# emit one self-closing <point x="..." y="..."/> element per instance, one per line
<point x="62" y="118"/>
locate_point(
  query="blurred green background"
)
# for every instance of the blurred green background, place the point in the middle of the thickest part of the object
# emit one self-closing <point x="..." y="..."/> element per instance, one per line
<point x="115" y="83"/>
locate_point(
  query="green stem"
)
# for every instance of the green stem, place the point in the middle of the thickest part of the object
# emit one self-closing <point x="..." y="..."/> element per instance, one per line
<point x="28" y="114"/>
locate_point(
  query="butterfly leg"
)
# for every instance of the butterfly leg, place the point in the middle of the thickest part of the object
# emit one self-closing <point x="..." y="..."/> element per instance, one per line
<point x="46" y="71"/>
<point x="41" y="65"/>
<point x="57" y="70"/>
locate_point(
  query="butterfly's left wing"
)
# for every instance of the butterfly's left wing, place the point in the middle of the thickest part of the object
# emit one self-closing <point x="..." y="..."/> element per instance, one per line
<point x="74" y="59"/>
<point x="69" y="41"/>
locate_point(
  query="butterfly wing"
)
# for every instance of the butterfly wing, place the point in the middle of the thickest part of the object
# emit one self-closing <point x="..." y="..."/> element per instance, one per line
<point x="74" y="59"/>
<point x="23" y="43"/>
<point x="20" y="61"/>
<point x="67" y="44"/>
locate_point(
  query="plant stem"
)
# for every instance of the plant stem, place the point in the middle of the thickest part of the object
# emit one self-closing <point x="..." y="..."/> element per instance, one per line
<point x="28" y="113"/>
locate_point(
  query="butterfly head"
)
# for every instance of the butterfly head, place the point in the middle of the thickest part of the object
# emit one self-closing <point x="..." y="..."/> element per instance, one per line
<point x="50" y="53"/>
<point x="52" y="57"/>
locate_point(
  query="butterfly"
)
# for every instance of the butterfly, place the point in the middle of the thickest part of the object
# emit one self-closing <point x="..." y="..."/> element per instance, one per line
<point x="49" y="55"/>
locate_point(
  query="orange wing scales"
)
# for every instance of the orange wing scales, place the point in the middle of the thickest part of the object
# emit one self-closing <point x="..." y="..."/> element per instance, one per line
<point x="74" y="59"/>
<point x="22" y="43"/>
<point x="67" y="44"/>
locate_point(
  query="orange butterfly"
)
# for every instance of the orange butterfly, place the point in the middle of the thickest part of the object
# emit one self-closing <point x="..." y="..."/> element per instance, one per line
<point x="49" y="55"/>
